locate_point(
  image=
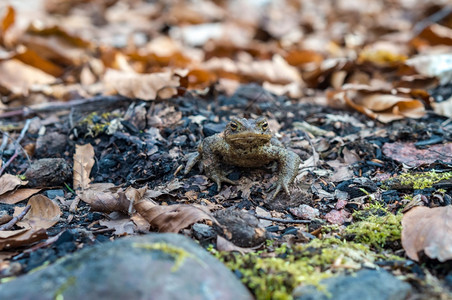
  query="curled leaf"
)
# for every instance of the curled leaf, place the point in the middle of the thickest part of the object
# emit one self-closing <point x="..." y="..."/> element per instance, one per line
<point x="9" y="182"/>
<point x="83" y="163"/>
<point x="172" y="218"/>
<point x="106" y="197"/>
<point x="44" y="213"/>
<point x="429" y="230"/>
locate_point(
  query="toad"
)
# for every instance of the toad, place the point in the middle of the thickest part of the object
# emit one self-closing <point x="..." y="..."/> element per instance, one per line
<point x="245" y="143"/>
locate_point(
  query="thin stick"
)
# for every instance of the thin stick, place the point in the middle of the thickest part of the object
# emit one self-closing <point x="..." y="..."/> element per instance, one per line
<point x="17" y="146"/>
<point x="283" y="220"/>
<point x="16" y="219"/>
<point x="66" y="105"/>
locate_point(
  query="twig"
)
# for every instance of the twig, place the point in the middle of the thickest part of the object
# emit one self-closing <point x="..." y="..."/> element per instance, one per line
<point x="283" y="220"/>
<point x="435" y="18"/>
<point x="17" y="146"/>
<point x="15" y="219"/>
<point x="99" y="101"/>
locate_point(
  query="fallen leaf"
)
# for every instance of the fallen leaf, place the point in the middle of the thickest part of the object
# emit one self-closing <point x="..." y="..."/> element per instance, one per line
<point x="383" y="107"/>
<point x="433" y="65"/>
<point x="27" y="236"/>
<point x="171" y="218"/>
<point x="141" y="223"/>
<point x="9" y="182"/>
<point x="83" y="163"/>
<point x="408" y="154"/>
<point x="429" y="230"/>
<point x="44" y="213"/>
<point x="142" y="86"/>
<point x="342" y="171"/>
<point x="8" y="19"/>
<point x="56" y="44"/>
<point x="18" y="78"/>
<point x="121" y="225"/>
<point x="276" y="70"/>
<point x="106" y="197"/>
<point x="436" y="34"/>
<point x="227" y="246"/>
<point x="443" y="108"/>
<point x="13" y="197"/>
<point x="33" y="59"/>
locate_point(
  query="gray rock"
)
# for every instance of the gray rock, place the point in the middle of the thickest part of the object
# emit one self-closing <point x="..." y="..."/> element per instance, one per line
<point x="203" y="232"/>
<point x="364" y="285"/>
<point x="52" y="194"/>
<point x="155" y="266"/>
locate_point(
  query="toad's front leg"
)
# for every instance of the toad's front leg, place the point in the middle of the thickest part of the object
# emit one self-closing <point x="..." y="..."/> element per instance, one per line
<point x="289" y="162"/>
<point x="211" y="149"/>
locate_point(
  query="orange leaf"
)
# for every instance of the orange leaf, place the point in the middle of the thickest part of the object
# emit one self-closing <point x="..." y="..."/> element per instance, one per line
<point x="8" y="19"/>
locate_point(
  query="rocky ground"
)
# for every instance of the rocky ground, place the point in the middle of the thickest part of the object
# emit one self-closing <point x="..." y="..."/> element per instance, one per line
<point x="94" y="202"/>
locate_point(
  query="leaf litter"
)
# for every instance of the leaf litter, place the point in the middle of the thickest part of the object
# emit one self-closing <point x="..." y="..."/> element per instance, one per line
<point x="139" y="85"/>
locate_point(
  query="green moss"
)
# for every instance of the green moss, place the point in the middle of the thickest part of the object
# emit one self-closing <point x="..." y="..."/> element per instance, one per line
<point x="375" y="227"/>
<point x="274" y="275"/>
<point x="96" y="124"/>
<point x="178" y="254"/>
<point x="420" y="181"/>
<point x="60" y="291"/>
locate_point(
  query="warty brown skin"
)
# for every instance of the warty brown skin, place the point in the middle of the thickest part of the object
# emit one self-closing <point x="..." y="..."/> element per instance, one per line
<point x="245" y="143"/>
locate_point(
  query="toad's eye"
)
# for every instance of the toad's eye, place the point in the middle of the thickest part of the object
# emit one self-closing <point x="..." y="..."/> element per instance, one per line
<point x="264" y="126"/>
<point x="233" y="126"/>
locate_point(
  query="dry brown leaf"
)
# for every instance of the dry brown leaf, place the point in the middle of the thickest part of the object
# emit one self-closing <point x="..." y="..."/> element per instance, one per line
<point x="227" y="246"/>
<point x="383" y="107"/>
<point x="83" y="163"/>
<point x="122" y="225"/>
<point x="142" y="86"/>
<point x="436" y="34"/>
<point x="105" y="197"/>
<point x="56" y="44"/>
<point x="299" y="58"/>
<point x="8" y="19"/>
<point x="44" y="213"/>
<point x="13" y="197"/>
<point x="17" y="78"/>
<point x="433" y="65"/>
<point x="9" y="182"/>
<point x="429" y="230"/>
<point x="26" y="237"/>
<point x="443" y="108"/>
<point x="172" y="218"/>
<point x="141" y="223"/>
<point x="276" y="70"/>
<point x="33" y="59"/>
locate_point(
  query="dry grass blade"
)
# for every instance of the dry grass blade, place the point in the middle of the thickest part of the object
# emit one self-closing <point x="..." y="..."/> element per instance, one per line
<point x="83" y="163"/>
<point x="171" y="218"/>
<point x="429" y="230"/>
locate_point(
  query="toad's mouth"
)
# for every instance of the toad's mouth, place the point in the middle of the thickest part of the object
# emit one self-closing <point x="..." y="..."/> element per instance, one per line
<point x="249" y="137"/>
